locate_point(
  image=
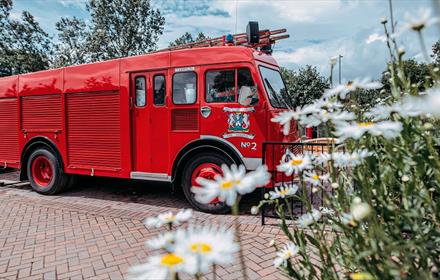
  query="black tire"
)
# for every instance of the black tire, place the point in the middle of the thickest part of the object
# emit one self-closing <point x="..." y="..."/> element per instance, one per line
<point x="190" y="167"/>
<point x="58" y="180"/>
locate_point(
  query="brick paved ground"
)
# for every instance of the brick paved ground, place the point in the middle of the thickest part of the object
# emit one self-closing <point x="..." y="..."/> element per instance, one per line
<point x="95" y="231"/>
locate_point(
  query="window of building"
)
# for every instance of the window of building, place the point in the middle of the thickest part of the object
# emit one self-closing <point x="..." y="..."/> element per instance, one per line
<point x="140" y="90"/>
<point x="185" y="88"/>
<point x="159" y="90"/>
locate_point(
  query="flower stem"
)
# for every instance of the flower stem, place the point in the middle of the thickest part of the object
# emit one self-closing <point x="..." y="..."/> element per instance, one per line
<point x="235" y="212"/>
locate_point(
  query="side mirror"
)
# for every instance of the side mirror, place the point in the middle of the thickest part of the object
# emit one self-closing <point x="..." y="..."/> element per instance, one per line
<point x="248" y="96"/>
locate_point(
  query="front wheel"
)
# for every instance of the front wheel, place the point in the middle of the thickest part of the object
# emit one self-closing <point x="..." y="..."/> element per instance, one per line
<point x="45" y="172"/>
<point x="206" y="166"/>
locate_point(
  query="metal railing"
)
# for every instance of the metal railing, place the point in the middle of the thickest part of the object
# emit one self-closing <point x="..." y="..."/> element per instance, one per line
<point x="272" y="154"/>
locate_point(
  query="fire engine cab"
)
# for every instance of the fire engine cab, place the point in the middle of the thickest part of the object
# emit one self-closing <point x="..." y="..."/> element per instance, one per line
<point x="172" y="115"/>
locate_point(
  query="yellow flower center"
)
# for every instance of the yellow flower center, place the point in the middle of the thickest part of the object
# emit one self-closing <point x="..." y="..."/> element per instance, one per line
<point x="296" y="161"/>
<point x="171" y="260"/>
<point x="365" y="124"/>
<point x="315" y="177"/>
<point x="170" y="218"/>
<point x="361" y="276"/>
<point x="201" y="248"/>
<point x="284" y="191"/>
<point x="229" y="184"/>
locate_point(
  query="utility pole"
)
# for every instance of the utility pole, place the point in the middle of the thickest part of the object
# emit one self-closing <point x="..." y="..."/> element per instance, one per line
<point x="333" y="61"/>
<point x="340" y="57"/>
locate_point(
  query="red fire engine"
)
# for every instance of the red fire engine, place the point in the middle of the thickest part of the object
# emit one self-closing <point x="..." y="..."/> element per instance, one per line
<point x="172" y="115"/>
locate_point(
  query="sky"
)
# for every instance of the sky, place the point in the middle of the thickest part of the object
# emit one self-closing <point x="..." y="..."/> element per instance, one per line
<point x="319" y="29"/>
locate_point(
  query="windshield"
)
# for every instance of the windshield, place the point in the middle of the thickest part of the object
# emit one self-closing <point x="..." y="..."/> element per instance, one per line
<point x="275" y="88"/>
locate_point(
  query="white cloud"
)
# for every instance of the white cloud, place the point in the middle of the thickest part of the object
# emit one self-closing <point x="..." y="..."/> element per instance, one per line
<point x="375" y="37"/>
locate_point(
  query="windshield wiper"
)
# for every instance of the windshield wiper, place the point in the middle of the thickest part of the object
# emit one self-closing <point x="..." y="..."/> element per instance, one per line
<point x="275" y="95"/>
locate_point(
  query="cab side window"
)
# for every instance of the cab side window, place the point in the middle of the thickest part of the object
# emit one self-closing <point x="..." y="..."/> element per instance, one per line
<point x="140" y="90"/>
<point x="185" y="88"/>
<point x="159" y="90"/>
<point x="230" y="86"/>
<point x="220" y="86"/>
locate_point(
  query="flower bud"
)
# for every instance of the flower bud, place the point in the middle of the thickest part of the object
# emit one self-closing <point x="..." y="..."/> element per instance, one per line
<point x="266" y="196"/>
<point x="335" y="185"/>
<point x="272" y="242"/>
<point x="401" y="51"/>
<point x="254" y="210"/>
<point x="357" y="200"/>
<point x="383" y="20"/>
<point x="360" y="211"/>
<point x="405" y="178"/>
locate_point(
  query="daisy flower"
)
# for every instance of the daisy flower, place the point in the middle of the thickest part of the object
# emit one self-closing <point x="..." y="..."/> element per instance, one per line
<point x="387" y="129"/>
<point x="285" y="254"/>
<point x="416" y="23"/>
<point x="347" y="159"/>
<point x="309" y="218"/>
<point x="163" y="241"/>
<point x="160" y="267"/>
<point x="233" y="182"/>
<point x="169" y="218"/>
<point x="284" y="118"/>
<point x="324" y="116"/>
<point x="283" y="191"/>
<point x="322" y="158"/>
<point x="208" y="245"/>
<point x="429" y="103"/>
<point x="327" y="211"/>
<point x="409" y="107"/>
<point x="315" y="179"/>
<point x="343" y="90"/>
<point x="291" y="163"/>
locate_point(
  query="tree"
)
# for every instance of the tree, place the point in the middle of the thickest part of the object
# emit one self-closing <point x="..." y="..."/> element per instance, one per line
<point x="71" y="48"/>
<point x="436" y="54"/>
<point x="121" y="28"/>
<point x="188" y="38"/>
<point x="303" y="86"/>
<point x="24" y="45"/>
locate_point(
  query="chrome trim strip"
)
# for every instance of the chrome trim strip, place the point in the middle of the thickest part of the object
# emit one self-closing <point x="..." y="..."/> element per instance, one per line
<point x="252" y="163"/>
<point x="224" y="141"/>
<point x="163" y="177"/>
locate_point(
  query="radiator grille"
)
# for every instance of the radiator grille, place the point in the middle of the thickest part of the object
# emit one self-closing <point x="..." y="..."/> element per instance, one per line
<point x="94" y="129"/>
<point x="42" y="112"/>
<point x="184" y="119"/>
<point x="9" y="130"/>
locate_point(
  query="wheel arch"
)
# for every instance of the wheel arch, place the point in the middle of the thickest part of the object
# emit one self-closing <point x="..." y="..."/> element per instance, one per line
<point x="202" y="145"/>
<point x="38" y="141"/>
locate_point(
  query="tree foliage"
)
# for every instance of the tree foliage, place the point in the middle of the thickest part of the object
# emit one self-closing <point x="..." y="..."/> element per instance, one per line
<point x="436" y="53"/>
<point x="188" y="38"/>
<point x="304" y="86"/>
<point x="71" y="48"/>
<point x="122" y="28"/>
<point x="24" y="45"/>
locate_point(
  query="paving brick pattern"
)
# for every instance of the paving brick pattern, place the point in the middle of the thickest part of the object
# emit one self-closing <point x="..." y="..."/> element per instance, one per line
<point x="96" y="231"/>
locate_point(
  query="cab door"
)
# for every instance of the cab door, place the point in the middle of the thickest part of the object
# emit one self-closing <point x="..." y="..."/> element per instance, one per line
<point x="159" y="125"/>
<point x="227" y="117"/>
<point x="140" y="122"/>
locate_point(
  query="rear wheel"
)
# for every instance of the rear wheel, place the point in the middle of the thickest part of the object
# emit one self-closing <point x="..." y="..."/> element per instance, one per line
<point x="206" y="166"/>
<point x="45" y="172"/>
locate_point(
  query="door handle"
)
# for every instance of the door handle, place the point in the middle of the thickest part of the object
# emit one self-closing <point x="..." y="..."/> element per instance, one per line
<point x="205" y="111"/>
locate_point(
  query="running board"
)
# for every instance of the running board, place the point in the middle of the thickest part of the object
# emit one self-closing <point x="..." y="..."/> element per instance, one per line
<point x="163" y="177"/>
